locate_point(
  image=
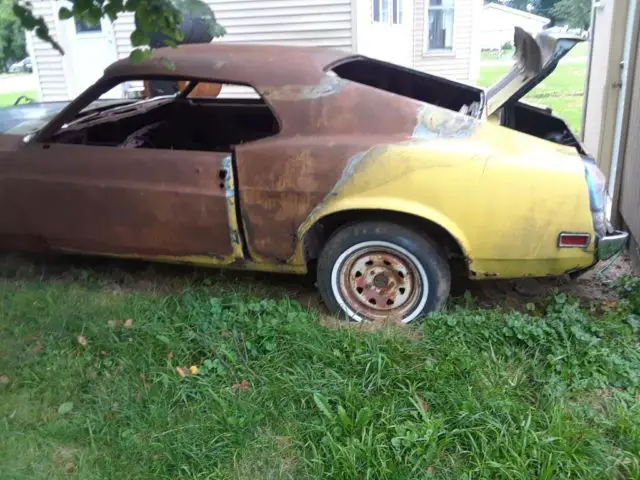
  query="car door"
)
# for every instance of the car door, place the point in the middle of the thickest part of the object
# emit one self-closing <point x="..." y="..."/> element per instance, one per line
<point x="121" y="201"/>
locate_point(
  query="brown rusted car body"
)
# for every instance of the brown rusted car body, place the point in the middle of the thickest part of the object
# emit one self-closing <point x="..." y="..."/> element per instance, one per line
<point x="407" y="146"/>
<point x="179" y="205"/>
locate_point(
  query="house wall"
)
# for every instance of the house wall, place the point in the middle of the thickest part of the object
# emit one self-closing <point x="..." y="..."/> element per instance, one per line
<point x="48" y="64"/>
<point x="388" y="42"/>
<point x="630" y="179"/>
<point x="345" y="24"/>
<point x="612" y="110"/>
<point x="602" y="93"/>
<point x="463" y="62"/>
<point x="498" y="24"/>
<point x="290" y="22"/>
<point x="326" y="23"/>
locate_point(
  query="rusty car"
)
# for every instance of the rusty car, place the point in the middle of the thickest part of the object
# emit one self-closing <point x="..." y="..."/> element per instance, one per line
<point x="379" y="179"/>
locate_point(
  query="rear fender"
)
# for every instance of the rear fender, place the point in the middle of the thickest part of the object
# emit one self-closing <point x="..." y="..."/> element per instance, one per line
<point x="392" y="205"/>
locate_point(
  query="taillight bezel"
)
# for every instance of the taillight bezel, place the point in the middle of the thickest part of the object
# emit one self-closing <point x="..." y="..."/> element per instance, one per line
<point x="582" y="246"/>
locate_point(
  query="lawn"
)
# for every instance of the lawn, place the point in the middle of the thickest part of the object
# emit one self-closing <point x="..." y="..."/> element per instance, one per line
<point x="8" y="99"/>
<point x="580" y="50"/>
<point x="95" y="380"/>
<point x="563" y="90"/>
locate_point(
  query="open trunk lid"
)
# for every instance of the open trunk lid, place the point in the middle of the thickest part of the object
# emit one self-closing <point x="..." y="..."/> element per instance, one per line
<point x="535" y="59"/>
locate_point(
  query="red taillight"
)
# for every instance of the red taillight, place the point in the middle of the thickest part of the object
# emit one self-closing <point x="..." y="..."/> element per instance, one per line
<point x="574" y="240"/>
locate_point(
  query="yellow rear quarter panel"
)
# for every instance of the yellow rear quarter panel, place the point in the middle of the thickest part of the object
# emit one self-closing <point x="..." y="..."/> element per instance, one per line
<point x="504" y="196"/>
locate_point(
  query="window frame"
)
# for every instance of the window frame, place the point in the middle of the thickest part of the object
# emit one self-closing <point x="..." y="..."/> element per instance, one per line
<point x="83" y="28"/>
<point x="102" y="86"/>
<point x="427" y="51"/>
<point x="394" y="12"/>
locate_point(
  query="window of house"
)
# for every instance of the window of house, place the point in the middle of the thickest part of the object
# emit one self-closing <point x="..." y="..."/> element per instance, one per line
<point x="83" y="26"/>
<point x="439" y="26"/>
<point x="151" y="114"/>
<point x="387" y="11"/>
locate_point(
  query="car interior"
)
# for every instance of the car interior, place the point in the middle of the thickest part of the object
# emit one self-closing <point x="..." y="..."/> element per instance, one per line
<point x="174" y="122"/>
<point x="413" y="84"/>
<point x="182" y="120"/>
<point x="454" y="96"/>
<point x="540" y="123"/>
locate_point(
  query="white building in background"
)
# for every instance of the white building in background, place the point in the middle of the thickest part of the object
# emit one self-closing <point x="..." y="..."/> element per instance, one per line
<point x="498" y="24"/>
<point x="439" y="36"/>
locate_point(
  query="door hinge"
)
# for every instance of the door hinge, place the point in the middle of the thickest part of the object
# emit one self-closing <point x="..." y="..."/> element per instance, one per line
<point x="222" y="175"/>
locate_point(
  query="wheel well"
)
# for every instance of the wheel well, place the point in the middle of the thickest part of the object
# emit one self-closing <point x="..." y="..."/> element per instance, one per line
<point x="320" y="232"/>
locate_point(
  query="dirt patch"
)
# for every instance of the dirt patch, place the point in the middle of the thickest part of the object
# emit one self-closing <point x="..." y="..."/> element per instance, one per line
<point x="388" y="327"/>
<point x="63" y="457"/>
<point x="595" y="285"/>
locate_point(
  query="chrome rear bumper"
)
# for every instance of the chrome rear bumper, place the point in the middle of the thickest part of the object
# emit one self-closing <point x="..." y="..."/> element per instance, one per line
<point x="611" y="244"/>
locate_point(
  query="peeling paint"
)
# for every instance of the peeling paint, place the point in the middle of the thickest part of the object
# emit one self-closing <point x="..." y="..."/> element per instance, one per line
<point x="232" y="214"/>
<point x="328" y="85"/>
<point x="439" y="123"/>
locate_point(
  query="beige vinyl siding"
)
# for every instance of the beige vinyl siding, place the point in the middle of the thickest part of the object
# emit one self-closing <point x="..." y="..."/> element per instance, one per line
<point x="48" y="63"/>
<point x="456" y="64"/>
<point x="325" y="23"/>
<point x="476" y="35"/>
<point x="385" y="41"/>
<point x="122" y="29"/>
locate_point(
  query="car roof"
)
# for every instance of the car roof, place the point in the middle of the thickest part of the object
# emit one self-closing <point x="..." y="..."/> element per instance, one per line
<point x="253" y="64"/>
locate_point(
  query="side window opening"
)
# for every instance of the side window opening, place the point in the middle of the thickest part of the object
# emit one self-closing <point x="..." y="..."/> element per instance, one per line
<point x="411" y="83"/>
<point x="154" y="115"/>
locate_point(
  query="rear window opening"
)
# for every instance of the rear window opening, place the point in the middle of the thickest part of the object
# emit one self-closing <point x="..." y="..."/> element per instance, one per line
<point x="413" y="84"/>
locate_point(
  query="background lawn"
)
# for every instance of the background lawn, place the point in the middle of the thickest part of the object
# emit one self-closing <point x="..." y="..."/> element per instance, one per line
<point x="579" y="51"/>
<point x="563" y="90"/>
<point x="8" y="99"/>
<point x="95" y="381"/>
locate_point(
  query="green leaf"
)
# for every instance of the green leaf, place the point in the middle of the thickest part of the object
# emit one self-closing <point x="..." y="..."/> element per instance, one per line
<point x="94" y="14"/>
<point x="344" y="418"/>
<point x="363" y="416"/>
<point x="64" y="13"/>
<point x="81" y="6"/>
<point x="396" y="442"/>
<point x="323" y="405"/>
<point x="151" y="16"/>
<point x="216" y="30"/>
<point x="65" y="408"/>
<point x="139" y="38"/>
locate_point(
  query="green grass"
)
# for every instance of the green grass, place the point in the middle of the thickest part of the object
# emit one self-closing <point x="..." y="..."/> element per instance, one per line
<point x="467" y="394"/>
<point x="563" y="90"/>
<point x="580" y="50"/>
<point x="490" y="56"/>
<point x="8" y="99"/>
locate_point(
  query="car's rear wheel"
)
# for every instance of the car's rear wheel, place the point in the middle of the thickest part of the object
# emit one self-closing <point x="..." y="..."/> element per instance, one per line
<point x="379" y="271"/>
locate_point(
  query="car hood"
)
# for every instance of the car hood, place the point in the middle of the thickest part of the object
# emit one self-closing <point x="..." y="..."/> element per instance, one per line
<point x="535" y="59"/>
<point x="28" y="118"/>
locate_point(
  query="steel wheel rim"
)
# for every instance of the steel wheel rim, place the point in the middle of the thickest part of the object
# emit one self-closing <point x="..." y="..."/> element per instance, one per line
<point x="379" y="280"/>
